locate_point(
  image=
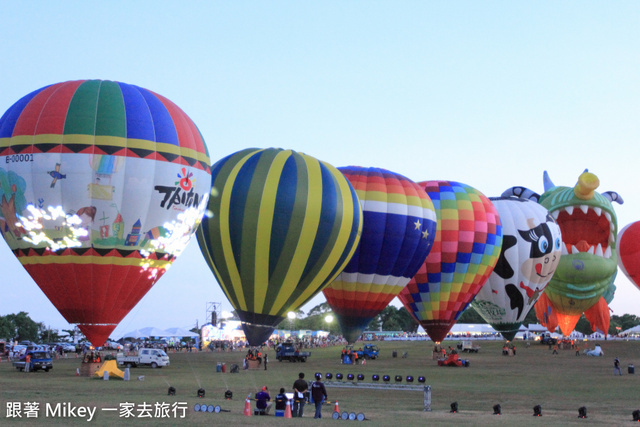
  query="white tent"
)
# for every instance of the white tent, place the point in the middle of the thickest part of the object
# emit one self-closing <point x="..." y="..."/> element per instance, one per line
<point x="472" y="328"/>
<point x="154" y="332"/>
<point x="632" y="331"/>
<point x="134" y="334"/>
<point x="157" y="332"/>
<point x="181" y="332"/>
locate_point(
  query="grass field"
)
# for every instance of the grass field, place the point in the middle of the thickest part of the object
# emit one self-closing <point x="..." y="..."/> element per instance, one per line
<point x="559" y="383"/>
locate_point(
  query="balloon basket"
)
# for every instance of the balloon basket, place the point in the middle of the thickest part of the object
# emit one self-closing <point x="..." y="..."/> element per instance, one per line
<point x="89" y="369"/>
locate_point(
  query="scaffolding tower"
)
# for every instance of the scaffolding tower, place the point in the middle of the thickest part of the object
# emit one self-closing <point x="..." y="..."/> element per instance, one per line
<point x="213" y="313"/>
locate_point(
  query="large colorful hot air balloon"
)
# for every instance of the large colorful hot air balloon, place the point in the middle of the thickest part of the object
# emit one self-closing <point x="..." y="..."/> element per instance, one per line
<point x="466" y="248"/>
<point x="531" y="249"/>
<point x="629" y="252"/>
<point x="399" y="225"/>
<point x="282" y="226"/>
<point x="588" y="265"/>
<point x="102" y="184"/>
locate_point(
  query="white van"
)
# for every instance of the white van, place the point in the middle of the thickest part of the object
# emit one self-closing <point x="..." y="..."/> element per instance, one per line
<point x="153" y="357"/>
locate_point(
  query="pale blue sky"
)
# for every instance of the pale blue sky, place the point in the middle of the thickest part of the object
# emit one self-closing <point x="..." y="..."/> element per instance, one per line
<point x="487" y="93"/>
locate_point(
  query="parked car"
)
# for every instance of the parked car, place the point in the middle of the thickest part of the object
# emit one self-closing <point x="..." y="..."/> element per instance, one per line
<point x="68" y="347"/>
<point x="40" y="360"/>
<point x="112" y="345"/>
<point x="17" y="350"/>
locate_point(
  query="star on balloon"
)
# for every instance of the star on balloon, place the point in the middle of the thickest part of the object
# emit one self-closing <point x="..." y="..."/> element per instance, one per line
<point x="418" y="225"/>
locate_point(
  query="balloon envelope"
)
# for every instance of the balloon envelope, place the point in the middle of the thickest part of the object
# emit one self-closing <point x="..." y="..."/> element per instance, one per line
<point x="283" y="226"/>
<point x="588" y="266"/>
<point x="465" y="250"/>
<point x="629" y="252"/>
<point x="531" y="249"/>
<point x="102" y="183"/>
<point x="398" y="230"/>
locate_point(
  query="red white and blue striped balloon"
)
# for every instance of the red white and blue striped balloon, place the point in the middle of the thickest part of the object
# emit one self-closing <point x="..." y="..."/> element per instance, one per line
<point x="399" y="225"/>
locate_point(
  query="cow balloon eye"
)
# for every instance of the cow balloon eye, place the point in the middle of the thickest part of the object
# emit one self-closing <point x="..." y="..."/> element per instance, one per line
<point x="543" y="244"/>
<point x="557" y="245"/>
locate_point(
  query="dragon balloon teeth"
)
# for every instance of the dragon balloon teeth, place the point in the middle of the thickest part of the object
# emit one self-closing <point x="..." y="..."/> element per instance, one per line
<point x="586" y="229"/>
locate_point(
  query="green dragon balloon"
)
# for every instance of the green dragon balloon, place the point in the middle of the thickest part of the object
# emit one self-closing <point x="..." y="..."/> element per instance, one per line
<point x="589" y="227"/>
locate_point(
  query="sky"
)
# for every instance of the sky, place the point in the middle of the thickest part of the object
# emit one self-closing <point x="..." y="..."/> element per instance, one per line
<point x="490" y="94"/>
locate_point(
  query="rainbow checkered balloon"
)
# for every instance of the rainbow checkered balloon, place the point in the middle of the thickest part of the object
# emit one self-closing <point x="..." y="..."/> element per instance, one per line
<point x="465" y="251"/>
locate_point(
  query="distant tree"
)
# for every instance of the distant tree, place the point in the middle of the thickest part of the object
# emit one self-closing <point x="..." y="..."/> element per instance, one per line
<point x="26" y="328"/>
<point x="583" y="326"/>
<point x="396" y="319"/>
<point x="407" y="322"/>
<point x="375" y="324"/>
<point x="470" y="315"/>
<point x="7" y="328"/>
<point x="71" y="334"/>
<point x="624" y="322"/>
<point x="320" y="309"/>
<point x="46" y="334"/>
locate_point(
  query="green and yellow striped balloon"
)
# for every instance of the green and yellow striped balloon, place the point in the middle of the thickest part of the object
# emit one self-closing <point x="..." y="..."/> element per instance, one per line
<point x="282" y="226"/>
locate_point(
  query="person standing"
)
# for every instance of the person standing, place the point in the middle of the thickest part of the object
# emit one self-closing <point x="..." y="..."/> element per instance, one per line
<point x="616" y="367"/>
<point x="300" y="387"/>
<point x="319" y="394"/>
<point x="265" y="360"/>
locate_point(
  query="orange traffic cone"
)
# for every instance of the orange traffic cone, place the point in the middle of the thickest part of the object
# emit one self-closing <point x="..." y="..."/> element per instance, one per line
<point x="335" y="407"/>
<point x="247" y="406"/>
<point x="287" y="410"/>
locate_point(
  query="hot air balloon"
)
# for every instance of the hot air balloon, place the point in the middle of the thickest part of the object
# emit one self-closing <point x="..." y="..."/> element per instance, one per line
<point x="466" y="248"/>
<point x="588" y="265"/>
<point x="282" y="227"/>
<point x="531" y="249"/>
<point x="87" y="168"/>
<point x="629" y="252"/>
<point x="398" y="230"/>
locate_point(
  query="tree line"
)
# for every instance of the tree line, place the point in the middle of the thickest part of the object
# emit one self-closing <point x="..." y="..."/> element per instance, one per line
<point x="20" y="327"/>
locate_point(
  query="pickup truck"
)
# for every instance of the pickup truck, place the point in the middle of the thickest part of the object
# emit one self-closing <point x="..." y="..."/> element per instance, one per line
<point x="153" y="357"/>
<point x="40" y="360"/>
<point x="548" y="339"/>
<point x="469" y="347"/>
<point x="288" y="351"/>
<point x="369" y="351"/>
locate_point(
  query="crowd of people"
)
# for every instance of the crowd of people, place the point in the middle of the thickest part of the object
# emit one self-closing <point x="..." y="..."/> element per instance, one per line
<point x="303" y="393"/>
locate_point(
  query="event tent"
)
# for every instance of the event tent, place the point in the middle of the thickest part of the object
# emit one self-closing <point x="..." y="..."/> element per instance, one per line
<point x="181" y="332"/>
<point x="156" y="332"/>
<point x="632" y="331"/>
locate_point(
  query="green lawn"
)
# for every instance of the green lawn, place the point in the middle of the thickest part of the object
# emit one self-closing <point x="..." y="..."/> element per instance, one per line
<point x="559" y="383"/>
